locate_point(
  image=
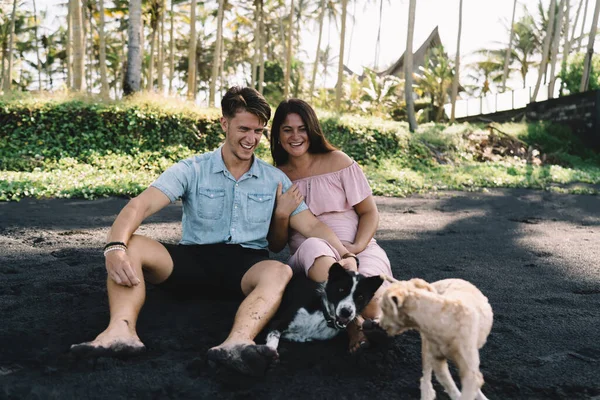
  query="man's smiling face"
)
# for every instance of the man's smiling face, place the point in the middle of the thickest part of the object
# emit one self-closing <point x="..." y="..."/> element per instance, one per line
<point x="243" y="133"/>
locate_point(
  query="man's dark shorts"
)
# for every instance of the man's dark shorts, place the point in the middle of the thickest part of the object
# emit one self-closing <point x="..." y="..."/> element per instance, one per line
<point x="210" y="269"/>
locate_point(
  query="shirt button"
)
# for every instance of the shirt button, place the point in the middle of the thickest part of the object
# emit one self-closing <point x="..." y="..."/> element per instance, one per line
<point x="234" y="206"/>
<point x="232" y="229"/>
<point x="236" y="185"/>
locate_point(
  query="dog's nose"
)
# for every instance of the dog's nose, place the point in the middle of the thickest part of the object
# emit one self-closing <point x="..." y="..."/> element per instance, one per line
<point x="345" y="313"/>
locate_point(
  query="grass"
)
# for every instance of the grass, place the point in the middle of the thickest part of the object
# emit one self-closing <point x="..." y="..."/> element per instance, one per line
<point x="123" y="175"/>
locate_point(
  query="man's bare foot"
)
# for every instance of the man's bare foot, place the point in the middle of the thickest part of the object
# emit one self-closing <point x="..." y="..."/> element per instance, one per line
<point x="247" y="358"/>
<point x="357" y="339"/>
<point x="117" y="340"/>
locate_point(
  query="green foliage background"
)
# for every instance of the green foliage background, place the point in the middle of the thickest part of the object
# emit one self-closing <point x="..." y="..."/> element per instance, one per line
<point x="83" y="148"/>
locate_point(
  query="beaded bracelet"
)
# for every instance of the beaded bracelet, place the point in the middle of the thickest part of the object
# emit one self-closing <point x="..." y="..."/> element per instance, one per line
<point x="114" y="248"/>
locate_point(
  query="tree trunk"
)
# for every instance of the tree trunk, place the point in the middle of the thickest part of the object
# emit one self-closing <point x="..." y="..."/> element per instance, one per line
<point x="456" y="64"/>
<point x="288" y="57"/>
<point x="134" y="50"/>
<point x="555" y="45"/>
<point x="78" y="46"/>
<point x="340" y="81"/>
<point x="509" y="49"/>
<point x="161" y="44"/>
<point x="253" y="72"/>
<point x="408" y="67"/>
<point x="261" y="74"/>
<point x="86" y="17"/>
<point x="191" y="94"/>
<point x="150" y="83"/>
<point x="572" y="37"/>
<point x="103" y="76"/>
<point x="585" y="78"/>
<point x="567" y="45"/>
<point x="546" y="49"/>
<point x="172" y="49"/>
<point x="314" y="71"/>
<point x="378" y="41"/>
<point x="582" y="26"/>
<point x="69" y="46"/>
<point x="11" y="40"/>
<point x="37" y="47"/>
<point x="216" y="56"/>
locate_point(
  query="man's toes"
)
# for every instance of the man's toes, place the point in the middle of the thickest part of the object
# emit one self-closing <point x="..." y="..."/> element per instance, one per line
<point x="250" y="360"/>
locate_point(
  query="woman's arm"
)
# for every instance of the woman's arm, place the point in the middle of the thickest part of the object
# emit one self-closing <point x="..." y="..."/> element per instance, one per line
<point x="286" y="203"/>
<point x="367" y="224"/>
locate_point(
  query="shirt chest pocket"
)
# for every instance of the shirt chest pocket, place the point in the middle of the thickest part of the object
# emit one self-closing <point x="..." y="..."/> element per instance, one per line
<point x="259" y="207"/>
<point x="211" y="203"/>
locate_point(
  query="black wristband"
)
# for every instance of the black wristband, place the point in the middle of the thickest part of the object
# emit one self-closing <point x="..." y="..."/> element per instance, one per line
<point x="114" y="244"/>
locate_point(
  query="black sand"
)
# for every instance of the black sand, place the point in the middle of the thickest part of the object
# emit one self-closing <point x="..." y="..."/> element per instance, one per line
<point x="535" y="255"/>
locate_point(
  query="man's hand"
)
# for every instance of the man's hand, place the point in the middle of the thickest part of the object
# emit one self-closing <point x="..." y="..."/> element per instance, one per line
<point x="349" y="264"/>
<point x="119" y="269"/>
<point x="287" y="202"/>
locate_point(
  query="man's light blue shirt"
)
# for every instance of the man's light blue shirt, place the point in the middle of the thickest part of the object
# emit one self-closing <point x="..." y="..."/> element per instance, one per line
<point x="219" y="209"/>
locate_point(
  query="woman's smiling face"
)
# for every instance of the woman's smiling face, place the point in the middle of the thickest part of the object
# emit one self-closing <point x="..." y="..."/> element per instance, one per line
<point x="293" y="135"/>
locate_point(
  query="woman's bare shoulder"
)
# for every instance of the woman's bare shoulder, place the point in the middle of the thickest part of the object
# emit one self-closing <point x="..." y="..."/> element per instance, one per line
<point x="336" y="161"/>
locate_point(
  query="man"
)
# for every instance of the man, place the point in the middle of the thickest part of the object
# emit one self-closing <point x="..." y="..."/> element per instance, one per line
<point x="228" y="200"/>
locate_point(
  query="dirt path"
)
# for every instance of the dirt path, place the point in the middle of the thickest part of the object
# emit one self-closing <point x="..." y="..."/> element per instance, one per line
<point x="534" y="254"/>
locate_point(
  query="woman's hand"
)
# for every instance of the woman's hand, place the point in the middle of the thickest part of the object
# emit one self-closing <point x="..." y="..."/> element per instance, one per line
<point x="352" y="248"/>
<point x="287" y="202"/>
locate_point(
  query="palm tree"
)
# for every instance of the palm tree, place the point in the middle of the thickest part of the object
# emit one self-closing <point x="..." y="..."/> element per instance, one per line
<point x="585" y="79"/>
<point x="546" y="49"/>
<point x="456" y="64"/>
<point x="288" y="58"/>
<point x="340" y="81"/>
<point x="217" y="55"/>
<point x="78" y="46"/>
<point x="161" y="47"/>
<point x="509" y="48"/>
<point x="525" y="45"/>
<point x="314" y="71"/>
<point x="191" y="93"/>
<point x="408" y="65"/>
<point x="555" y="43"/>
<point x="436" y="79"/>
<point x="134" y="50"/>
<point x="489" y="70"/>
<point x="8" y="79"/>
<point x="103" y="76"/>
<point x="37" y="47"/>
<point x="172" y="48"/>
<point x="582" y="26"/>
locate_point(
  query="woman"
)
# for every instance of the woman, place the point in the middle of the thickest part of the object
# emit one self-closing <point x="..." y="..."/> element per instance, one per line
<point x="338" y="193"/>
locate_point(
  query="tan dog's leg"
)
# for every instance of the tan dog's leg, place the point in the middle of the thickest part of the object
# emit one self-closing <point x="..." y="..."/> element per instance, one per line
<point x="440" y="366"/>
<point x="471" y="379"/>
<point x="427" y="392"/>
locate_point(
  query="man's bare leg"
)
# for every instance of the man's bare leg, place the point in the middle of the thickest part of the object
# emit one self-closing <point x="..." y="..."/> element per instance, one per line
<point x="263" y="285"/>
<point x="150" y="257"/>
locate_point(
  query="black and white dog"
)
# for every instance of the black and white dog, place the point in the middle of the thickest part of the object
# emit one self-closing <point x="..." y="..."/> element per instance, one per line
<point x="319" y="311"/>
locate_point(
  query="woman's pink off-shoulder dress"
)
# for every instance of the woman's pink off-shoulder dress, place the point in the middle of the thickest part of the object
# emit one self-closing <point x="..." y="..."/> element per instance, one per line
<point x="331" y="197"/>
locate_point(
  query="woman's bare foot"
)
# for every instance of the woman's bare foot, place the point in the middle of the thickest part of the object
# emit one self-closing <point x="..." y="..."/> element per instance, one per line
<point x="247" y="358"/>
<point x="118" y="339"/>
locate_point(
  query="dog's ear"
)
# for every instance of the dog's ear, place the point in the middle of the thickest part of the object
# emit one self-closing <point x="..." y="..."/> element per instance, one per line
<point x="336" y="271"/>
<point x="373" y="283"/>
<point x="421" y="284"/>
<point x="390" y="303"/>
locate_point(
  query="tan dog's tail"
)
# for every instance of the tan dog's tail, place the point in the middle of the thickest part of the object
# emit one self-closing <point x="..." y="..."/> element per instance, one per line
<point x="388" y="278"/>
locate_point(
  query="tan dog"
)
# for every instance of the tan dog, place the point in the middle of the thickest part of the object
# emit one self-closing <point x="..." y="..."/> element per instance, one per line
<point x="454" y="319"/>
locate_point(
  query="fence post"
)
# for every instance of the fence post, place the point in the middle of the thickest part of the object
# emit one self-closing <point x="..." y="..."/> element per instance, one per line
<point x="480" y="104"/>
<point x="512" y="94"/>
<point x="496" y="103"/>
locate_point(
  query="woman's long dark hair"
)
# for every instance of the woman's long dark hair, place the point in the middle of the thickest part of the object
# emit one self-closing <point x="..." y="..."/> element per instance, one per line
<point x="318" y="142"/>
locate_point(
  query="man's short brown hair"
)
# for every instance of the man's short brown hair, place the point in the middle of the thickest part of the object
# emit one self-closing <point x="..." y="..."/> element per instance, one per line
<point x="238" y="99"/>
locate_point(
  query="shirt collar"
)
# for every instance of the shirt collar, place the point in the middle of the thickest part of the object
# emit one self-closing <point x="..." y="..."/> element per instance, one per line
<point x="218" y="165"/>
